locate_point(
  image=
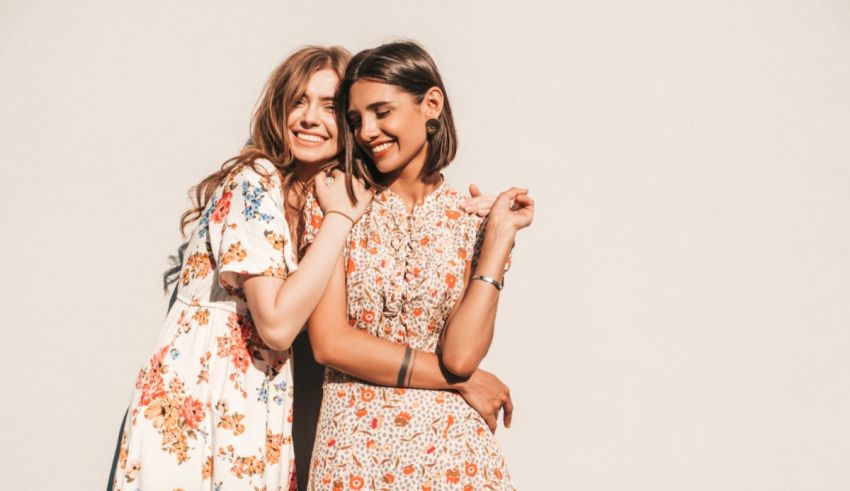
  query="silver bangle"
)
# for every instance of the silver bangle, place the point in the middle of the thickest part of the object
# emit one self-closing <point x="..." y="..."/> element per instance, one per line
<point x="489" y="279"/>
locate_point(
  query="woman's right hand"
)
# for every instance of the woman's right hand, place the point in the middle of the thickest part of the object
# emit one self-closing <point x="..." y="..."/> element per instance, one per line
<point x="485" y="393"/>
<point x="513" y="209"/>
<point x="332" y="195"/>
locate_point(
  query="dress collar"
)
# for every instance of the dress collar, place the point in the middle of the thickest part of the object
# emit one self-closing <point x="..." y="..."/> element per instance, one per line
<point x="388" y="198"/>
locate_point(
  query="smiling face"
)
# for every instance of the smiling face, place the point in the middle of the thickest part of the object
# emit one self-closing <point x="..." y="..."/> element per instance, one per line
<point x="311" y="123"/>
<point x="389" y="125"/>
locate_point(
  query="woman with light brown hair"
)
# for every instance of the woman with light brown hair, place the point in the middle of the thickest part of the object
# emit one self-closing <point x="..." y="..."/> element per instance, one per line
<point x="212" y="406"/>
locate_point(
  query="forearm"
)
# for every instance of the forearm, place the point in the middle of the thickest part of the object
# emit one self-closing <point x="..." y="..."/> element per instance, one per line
<point x="377" y="360"/>
<point x="281" y="314"/>
<point x="469" y="332"/>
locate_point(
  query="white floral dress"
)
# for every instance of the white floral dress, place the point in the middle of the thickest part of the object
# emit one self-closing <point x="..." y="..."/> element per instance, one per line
<point x="404" y="274"/>
<point x="212" y="406"/>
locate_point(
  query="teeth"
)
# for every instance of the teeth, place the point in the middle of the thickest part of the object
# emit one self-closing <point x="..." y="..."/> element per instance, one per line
<point x="380" y="148"/>
<point x="309" y="138"/>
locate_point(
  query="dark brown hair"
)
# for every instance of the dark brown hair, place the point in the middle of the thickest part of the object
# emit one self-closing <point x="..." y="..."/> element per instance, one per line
<point x="409" y="67"/>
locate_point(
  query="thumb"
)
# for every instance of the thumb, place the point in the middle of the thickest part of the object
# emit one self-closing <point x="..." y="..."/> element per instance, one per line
<point x="474" y="191"/>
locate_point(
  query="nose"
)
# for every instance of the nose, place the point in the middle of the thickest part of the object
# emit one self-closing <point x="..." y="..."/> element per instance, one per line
<point x="310" y="116"/>
<point x="369" y="129"/>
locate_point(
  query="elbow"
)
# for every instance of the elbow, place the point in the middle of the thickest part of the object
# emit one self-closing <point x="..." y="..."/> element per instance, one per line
<point x="278" y="338"/>
<point x="460" y="365"/>
<point x="322" y="352"/>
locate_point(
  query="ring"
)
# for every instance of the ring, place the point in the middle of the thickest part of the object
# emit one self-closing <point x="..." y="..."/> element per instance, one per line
<point x="329" y="180"/>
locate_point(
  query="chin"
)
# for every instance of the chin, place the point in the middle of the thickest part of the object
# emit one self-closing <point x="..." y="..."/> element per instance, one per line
<point x="387" y="166"/>
<point x="313" y="156"/>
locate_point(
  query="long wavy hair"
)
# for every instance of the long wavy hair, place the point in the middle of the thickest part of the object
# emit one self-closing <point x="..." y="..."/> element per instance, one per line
<point x="270" y="138"/>
<point x="409" y="67"/>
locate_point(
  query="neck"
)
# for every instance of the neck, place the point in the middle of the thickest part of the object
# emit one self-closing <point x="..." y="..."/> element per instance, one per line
<point x="306" y="172"/>
<point x="409" y="184"/>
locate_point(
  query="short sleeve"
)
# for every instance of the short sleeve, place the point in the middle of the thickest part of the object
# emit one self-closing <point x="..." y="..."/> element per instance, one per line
<point x="249" y="232"/>
<point x="313" y="217"/>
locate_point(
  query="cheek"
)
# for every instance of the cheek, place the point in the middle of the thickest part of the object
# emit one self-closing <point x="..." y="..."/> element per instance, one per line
<point x="411" y="134"/>
<point x="330" y="126"/>
<point x="293" y="117"/>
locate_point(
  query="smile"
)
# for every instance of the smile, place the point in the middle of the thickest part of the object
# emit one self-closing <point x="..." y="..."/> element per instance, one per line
<point x="308" y="137"/>
<point x="381" y="149"/>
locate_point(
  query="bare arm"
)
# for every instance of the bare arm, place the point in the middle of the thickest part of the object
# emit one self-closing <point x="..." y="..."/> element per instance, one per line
<point x="469" y="332"/>
<point x="279" y="307"/>
<point x="356" y="352"/>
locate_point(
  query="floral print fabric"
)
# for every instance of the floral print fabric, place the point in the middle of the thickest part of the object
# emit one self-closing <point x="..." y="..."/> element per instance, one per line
<point x="404" y="274"/>
<point x="212" y="406"/>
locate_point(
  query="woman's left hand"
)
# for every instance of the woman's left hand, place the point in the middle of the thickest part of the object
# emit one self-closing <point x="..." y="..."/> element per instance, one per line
<point x="476" y="203"/>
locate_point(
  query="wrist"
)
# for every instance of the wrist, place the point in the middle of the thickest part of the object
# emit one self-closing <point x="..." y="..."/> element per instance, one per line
<point x="461" y="386"/>
<point x="337" y="219"/>
<point x="500" y="236"/>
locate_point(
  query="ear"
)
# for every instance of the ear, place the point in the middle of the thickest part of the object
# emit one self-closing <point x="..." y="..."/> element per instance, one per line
<point x="432" y="103"/>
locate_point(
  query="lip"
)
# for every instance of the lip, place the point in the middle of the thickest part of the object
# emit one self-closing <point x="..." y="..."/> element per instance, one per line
<point x="308" y="143"/>
<point x="377" y="155"/>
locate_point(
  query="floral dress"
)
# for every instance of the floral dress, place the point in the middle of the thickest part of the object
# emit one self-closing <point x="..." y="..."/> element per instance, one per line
<point x="404" y="274"/>
<point x="212" y="406"/>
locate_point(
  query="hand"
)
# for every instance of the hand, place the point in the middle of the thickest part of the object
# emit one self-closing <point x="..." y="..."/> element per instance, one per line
<point x="334" y="196"/>
<point x="485" y="393"/>
<point x="513" y="209"/>
<point x="480" y="205"/>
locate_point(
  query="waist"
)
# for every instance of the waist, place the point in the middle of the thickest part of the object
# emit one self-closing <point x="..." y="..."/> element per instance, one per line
<point x="232" y="305"/>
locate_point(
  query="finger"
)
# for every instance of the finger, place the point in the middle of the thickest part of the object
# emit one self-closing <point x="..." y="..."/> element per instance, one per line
<point x="524" y="201"/>
<point x="471" y="205"/>
<point x="474" y="191"/>
<point x="490" y="419"/>
<point x="483" y="212"/>
<point x="509" y="411"/>
<point x="511" y="194"/>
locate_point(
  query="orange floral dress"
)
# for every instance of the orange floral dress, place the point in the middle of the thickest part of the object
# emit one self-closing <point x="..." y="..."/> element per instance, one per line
<point x="404" y="274"/>
<point x="212" y="406"/>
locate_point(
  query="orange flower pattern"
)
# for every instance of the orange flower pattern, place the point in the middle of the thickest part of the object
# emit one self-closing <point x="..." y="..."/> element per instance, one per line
<point x="212" y="405"/>
<point x="404" y="274"/>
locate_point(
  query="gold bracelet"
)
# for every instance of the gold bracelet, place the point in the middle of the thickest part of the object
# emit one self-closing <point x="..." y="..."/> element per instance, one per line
<point x="489" y="279"/>
<point x="340" y="213"/>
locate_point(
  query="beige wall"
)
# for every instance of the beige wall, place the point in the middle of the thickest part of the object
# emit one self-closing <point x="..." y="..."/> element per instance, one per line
<point x="678" y="318"/>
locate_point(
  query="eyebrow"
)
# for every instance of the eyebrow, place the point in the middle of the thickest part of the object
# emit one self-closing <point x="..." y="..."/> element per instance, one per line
<point x="372" y="106"/>
<point x="323" y="99"/>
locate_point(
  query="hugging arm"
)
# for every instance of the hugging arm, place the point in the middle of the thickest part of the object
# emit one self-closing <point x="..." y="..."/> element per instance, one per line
<point x="280" y="308"/>
<point x="356" y="352"/>
<point x="469" y="332"/>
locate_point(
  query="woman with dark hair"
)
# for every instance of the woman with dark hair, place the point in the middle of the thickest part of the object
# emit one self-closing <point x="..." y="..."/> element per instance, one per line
<point x="212" y="406"/>
<point x="417" y="273"/>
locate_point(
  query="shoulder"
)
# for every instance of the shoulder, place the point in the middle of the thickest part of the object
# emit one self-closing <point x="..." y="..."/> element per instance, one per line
<point x="260" y="172"/>
<point x="257" y="178"/>
<point x="450" y="200"/>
